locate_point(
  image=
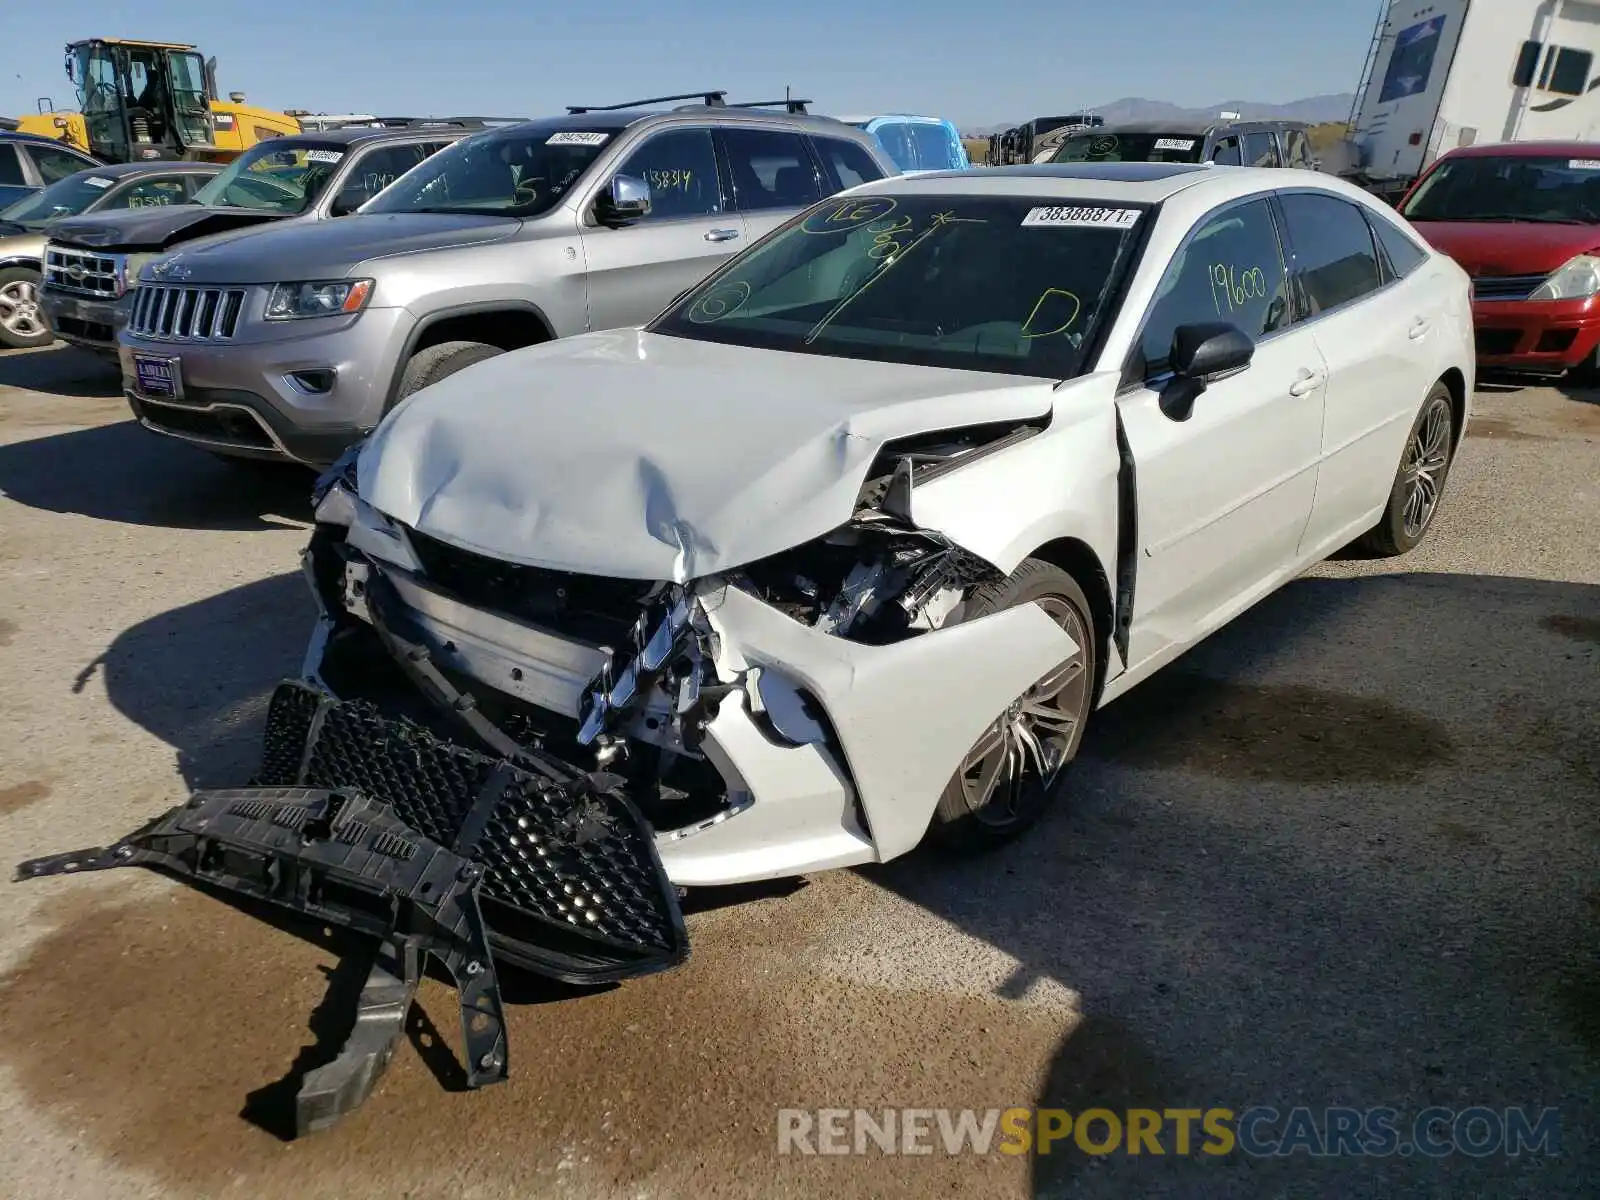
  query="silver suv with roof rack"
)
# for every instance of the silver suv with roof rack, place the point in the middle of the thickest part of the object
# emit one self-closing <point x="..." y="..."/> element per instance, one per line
<point x="511" y="237"/>
<point x="93" y="261"/>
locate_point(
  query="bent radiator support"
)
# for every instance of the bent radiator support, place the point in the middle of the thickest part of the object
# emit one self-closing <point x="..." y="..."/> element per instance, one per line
<point x="434" y="850"/>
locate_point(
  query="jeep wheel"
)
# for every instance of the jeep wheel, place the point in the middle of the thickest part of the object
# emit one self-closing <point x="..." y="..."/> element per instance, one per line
<point x="431" y="365"/>
<point x="22" y="324"/>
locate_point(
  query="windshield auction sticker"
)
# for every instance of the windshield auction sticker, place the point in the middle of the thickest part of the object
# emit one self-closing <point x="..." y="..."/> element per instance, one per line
<point x="1583" y="164"/>
<point x="324" y="156"/>
<point x="1084" y="218"/>
<point x="576" y="139"/>
<point x="1174" y="143"/>
<point x="98" y="181"/>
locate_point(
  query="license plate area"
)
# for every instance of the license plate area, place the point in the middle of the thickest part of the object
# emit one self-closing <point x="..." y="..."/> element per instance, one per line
<point x="157" y="377"/>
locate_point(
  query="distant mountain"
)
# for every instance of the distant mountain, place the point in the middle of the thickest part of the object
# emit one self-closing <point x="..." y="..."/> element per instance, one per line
<point x="1313" y="110"/>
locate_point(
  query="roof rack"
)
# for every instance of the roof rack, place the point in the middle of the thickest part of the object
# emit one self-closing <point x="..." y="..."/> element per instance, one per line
<point x="323" y="122"/>
<point x="709" y="99"/>
<point x="794" y="106"/>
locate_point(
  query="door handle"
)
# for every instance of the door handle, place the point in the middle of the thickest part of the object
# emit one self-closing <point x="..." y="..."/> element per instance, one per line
<point x="1307" y="382"/>
<point x="1418" y="328"/>
<point x="721" y="235"/>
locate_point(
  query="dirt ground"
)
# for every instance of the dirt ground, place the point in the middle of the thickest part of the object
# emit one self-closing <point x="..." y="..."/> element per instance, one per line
<point x="1347" y="852"/>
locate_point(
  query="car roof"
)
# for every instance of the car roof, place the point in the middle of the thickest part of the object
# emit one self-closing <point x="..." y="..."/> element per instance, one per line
<point x="1128" y="183"/>
<point x="164" y="167"/>
<point x="616" y="120"/>
<point x="349" y="135"/>
<point x="38" y="139"/>
<point x="1550" y="148"/>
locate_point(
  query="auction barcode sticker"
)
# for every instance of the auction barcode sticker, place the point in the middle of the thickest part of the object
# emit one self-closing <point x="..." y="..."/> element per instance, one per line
<point x="1174" y="143"/>
<point x="1084" y="218"/>
<point x="324" y="156"/>
<point x="576" y="139"/>
<point x="1584" y="164"/>
<point x="99" y="181"/>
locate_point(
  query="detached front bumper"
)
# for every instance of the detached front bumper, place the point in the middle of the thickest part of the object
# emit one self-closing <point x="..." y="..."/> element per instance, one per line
<point x="1536" y="335"/>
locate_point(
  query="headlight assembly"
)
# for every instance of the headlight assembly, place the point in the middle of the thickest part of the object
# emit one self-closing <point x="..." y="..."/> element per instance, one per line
<point x="128" y="271"/>
<point x="1576" y="279"/>
<point x="317" y="298"/>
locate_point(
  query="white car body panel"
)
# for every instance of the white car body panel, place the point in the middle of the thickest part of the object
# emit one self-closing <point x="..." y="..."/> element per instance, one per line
<point x="637" y="456"/>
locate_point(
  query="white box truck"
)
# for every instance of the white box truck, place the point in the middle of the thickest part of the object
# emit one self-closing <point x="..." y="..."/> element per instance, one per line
<point x="1448" y="73"/>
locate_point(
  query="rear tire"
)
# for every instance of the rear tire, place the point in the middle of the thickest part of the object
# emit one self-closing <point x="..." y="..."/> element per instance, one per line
<point x="1418" y="482"/>
<point x="430" y="365"/>
<point x="1009" y="776"/>
<point x="22" y="323"/>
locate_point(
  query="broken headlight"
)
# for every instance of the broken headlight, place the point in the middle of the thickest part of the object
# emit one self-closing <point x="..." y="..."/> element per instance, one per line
<point x="868" y="581"/>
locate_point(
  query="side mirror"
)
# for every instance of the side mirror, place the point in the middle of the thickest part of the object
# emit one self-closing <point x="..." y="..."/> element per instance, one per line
<point x="1201" y="355"/>
<point x="347" y="201"/>
<point x="625" y="198"/>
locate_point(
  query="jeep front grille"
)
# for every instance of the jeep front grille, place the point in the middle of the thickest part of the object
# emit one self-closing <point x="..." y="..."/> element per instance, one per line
<point x="82" y="272"/>
<point x="185" y="314"/>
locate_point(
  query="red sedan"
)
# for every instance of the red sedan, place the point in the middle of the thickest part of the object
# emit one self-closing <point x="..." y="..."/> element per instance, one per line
<point x="1523" y="219"/>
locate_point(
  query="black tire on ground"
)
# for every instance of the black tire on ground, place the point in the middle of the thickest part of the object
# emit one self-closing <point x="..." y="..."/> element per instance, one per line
<point x="1429" y="453"/>
<point x="438" y="362"/>
<point x="956" y="823"/>
<point x="22" y="324"/>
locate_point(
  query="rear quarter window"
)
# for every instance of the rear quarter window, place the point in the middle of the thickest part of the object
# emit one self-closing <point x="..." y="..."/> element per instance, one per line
<point x="846" y="163"/>
<point x="1402" y="255"/>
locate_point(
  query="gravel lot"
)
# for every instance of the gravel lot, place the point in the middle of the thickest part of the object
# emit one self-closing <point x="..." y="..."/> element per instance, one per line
<point x="1345" y="853"/>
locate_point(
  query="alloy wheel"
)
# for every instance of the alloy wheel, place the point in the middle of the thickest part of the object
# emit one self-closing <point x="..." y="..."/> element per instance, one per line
<point x="1027" y="745"/>
<point x="1426" y="460"/>
<point x="19" y="309"/>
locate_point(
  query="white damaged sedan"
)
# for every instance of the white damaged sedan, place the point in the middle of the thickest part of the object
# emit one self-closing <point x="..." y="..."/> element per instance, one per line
<point x="847" y="545"/>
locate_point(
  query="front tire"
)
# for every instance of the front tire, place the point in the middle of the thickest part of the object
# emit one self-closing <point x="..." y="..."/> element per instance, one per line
<point x="1418" y="483"/>
<point x="430" y="365"/>
<point x="1007" y="779"/>
<point x="22" y="323"/>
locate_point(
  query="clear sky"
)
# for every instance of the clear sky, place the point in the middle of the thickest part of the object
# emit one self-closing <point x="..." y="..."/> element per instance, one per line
<point x="982" y="62"/>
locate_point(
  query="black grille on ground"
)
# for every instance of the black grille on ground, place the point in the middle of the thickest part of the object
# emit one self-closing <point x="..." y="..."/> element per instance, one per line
<point x="572" y="883"/>
<point x="590" y="608"/>
<point x="1497" y="341"/>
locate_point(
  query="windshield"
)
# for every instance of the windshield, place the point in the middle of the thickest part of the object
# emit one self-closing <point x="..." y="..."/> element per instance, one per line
<point x="1562" y="191"/>
<point x="271" y="177"/>
<point x="1010" y="285"/>
<point x="1093" y="146"/>
<point x="64" y="198"/>
<point x="512" y="173"/>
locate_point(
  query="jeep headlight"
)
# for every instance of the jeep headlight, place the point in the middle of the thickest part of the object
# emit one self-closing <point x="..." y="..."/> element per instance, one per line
<point x="317" y="298"/>
<point x="1576" y="279"/>
<point x="128" y="268"/>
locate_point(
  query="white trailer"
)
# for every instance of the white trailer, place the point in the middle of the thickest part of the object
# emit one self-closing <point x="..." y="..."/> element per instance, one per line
<point x="1448" y="73"/>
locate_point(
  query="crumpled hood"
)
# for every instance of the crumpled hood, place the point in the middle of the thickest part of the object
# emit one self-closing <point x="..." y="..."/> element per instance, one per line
<point x="155" y="228"/>
<point x="1508" y="247"/>
<point x="332" y="248"/>
<point x="643" y="456"/>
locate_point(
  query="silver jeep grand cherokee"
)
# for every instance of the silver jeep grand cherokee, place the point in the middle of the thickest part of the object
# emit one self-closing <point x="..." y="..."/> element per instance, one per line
<point x="291" y="342"/>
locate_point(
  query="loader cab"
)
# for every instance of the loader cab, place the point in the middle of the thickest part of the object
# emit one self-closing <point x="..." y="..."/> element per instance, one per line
<point x="143" y="100"/>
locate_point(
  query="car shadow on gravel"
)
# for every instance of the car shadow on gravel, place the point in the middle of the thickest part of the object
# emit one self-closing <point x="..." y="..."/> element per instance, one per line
<point x="1344" y="853"/>
<point x="60" y="370"/>
<point x="125" y="473"/>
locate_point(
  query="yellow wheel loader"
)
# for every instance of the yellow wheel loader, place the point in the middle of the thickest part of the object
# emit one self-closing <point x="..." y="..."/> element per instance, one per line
<point x="153" y="100"/>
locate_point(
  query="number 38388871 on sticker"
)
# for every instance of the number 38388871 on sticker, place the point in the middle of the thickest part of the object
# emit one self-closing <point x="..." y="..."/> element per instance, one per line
<point x="1083" y="217"/>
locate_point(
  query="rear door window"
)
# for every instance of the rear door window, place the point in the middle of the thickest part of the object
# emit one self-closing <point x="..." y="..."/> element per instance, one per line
<point x="1335" y="261"/>
<point x="56" y="164"/>
<point x="846" y="163"/>
<point x="770" y="169"/>
<point x="1260" y="150"/>
<point x="1297" y="150"/>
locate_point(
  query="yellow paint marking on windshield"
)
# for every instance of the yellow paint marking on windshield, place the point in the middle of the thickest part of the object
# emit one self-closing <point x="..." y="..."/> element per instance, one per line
<point x="1044" y="298"/>
<point x="842" y="218"/>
